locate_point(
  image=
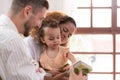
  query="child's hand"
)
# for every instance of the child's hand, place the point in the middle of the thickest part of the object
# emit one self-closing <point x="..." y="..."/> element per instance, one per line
<point x="64" y="68"/>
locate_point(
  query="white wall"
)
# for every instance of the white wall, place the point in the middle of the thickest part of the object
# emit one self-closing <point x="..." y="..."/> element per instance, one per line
<point x="67" y="6"/>
<point x="4" y="6"/>
<point x="61" y="5"/>
<point x="56" y="5"/>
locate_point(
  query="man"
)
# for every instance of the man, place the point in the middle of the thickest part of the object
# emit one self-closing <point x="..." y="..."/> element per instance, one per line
<point x="15" y="64"/>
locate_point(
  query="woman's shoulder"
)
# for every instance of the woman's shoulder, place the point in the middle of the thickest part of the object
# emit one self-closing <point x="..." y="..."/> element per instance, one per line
<point x="64" y="49"/>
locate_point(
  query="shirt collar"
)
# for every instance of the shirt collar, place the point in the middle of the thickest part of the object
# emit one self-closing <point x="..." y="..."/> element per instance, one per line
<point x="7" y="22"/>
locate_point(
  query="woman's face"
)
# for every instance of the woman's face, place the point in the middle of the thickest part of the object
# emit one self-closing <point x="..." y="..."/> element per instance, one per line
<point x="67" y="30"/>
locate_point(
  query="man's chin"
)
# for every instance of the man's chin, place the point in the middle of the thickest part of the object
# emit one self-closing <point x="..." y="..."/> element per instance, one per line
<point x="26" y="33"/>
<point x="36" y="27"/>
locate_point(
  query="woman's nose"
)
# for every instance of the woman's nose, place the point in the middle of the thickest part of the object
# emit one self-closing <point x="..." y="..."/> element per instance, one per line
<point x="67" y="35"/>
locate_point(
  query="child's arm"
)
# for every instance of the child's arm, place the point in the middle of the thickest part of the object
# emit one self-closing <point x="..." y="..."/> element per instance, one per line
<point x="68" y="55"/>
<point x="71" y="57"/>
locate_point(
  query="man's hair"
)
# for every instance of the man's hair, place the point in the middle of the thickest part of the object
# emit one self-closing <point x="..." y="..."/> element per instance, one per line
<point x="18" y="5"/>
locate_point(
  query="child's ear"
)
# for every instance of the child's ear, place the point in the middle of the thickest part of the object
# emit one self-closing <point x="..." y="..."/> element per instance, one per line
<point x="42" y="39"/>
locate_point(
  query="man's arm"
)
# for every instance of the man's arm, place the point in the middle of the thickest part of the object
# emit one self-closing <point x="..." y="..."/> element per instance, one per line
<point x="60" y="76"/>
<point x="19" y="66"/>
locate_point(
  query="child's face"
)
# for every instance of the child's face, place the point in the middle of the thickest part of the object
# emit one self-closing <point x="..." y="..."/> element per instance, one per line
<point x="52" y="37"/>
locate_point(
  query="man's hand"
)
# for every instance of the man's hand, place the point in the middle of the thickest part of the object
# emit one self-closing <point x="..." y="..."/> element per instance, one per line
<point x="60" y="76"/>
<point x="53" y="72"/>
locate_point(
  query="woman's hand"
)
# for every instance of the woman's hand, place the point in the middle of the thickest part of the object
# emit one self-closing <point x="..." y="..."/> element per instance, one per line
<point x="73" y="76"/>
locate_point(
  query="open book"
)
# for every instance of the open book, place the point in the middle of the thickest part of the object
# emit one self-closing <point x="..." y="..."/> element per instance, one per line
<point x="79" y="65"/>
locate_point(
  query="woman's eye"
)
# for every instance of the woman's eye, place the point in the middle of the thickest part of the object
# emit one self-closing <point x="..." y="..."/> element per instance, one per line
<point x="65" y="29"/>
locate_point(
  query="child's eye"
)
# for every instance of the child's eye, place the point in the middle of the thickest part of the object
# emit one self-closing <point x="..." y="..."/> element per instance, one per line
<point x="51" y="38"/>
<point x="58" y="37"/>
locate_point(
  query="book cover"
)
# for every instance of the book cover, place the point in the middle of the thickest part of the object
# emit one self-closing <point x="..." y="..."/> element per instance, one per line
<point x="80" y="65"/>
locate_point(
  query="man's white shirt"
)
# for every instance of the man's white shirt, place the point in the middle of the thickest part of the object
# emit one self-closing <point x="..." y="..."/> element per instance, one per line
<point x="15" y="58"/>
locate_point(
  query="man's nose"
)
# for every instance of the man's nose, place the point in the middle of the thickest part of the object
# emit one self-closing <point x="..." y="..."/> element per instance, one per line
<point x="39" y="25"/>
